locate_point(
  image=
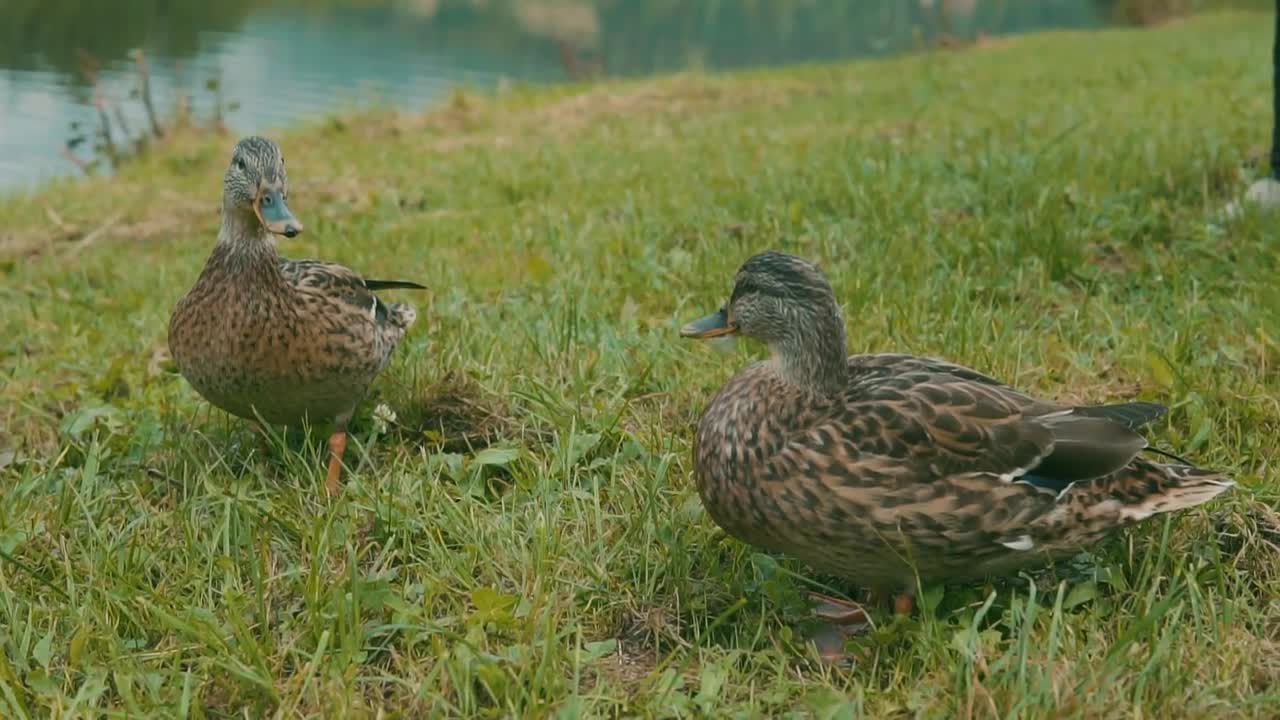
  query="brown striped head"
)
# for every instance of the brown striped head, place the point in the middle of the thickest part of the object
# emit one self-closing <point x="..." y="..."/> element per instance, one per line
<point x="256" y="182"/>
<point x="787" y="303"/>
<point x="774" y="296"/>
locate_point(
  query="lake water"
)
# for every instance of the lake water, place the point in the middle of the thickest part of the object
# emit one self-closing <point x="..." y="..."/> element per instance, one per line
<point x="281" y="60"/>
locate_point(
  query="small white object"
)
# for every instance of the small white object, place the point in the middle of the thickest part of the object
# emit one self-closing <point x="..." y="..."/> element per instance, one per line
<point x="1264" y="193"/>
<point x="383" y="417"/>
<point x="1012" y="475"/>
<point x="1020" y="543"/>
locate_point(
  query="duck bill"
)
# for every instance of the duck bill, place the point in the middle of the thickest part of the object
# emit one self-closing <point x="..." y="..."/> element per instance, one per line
<point x="714" y="325"/>
<point x="273" y="213"/>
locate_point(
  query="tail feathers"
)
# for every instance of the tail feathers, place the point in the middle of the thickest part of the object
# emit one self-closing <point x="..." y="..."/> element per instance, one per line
<point x="396" y="321"/>
<point x="393" y="285"/>
<point x="1132" y="415"/>
<point x="397" y="318"/>
<point x="1182" y="487"/>
<point x="401" y="316"/>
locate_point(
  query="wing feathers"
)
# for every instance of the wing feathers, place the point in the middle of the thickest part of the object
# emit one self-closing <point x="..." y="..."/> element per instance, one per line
<point x="1087" y="447"/>
<point x="1132" y="415"/>
<point x="972" y="424"/>
<point x="343" y="284"/>
<point x="393" y="285"/>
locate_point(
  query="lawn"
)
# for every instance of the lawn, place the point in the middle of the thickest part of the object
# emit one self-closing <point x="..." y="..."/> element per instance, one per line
<point x="524" y="539"/>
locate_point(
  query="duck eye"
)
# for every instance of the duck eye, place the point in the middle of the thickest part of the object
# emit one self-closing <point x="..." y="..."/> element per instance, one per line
<point x="240" y="165"/>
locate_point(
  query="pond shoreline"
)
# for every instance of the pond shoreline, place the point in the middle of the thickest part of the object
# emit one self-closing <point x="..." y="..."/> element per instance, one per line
<point x="408" y="54"/>
<point x="467" y="116"/>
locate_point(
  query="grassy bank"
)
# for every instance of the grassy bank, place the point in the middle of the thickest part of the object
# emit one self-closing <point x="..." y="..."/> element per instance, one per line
<point x="1043" y="209"/>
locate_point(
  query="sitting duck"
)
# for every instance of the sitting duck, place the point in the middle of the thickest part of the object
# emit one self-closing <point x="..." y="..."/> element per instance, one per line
<point x="892" y="470"/>
<point x="279" y="341"/>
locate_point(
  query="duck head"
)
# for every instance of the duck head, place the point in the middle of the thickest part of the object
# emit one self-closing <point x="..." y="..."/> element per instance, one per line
<point x="256" y="185"/>
<point x="787" y="303"/>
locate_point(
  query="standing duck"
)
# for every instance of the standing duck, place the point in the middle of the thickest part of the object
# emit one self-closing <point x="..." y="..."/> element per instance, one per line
<point x="280" y="341"/>
<point x="891" y="470"/>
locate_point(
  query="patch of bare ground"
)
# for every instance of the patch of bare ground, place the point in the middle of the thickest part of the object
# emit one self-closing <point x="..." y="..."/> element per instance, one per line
<point x="453" y="413"/>
<point x="168" y="214"/>
<point x="676" y="96"/>
<point x="1249" y="537"/>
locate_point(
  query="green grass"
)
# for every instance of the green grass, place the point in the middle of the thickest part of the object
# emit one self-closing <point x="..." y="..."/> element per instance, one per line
<point x="1044" y="209"/>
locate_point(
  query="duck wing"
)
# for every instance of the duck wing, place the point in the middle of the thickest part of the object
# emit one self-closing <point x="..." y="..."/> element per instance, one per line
<point x="1132" y="415"/>
<point x="948" y="420"/>
<point x="344" y="285"/>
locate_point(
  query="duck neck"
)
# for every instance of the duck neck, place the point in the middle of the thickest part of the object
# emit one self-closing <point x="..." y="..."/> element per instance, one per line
<point x="814" y="356"/>
<point x="245" y="245"/>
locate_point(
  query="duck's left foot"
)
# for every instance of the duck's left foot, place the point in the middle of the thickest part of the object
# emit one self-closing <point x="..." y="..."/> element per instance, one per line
<point x="837" y="611"/>
<point x="337" y="446"/>
<point x="841" y="619"/>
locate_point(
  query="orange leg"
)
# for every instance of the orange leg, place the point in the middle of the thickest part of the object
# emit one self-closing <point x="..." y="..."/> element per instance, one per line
<point x="903" y="604"/>
<point x="264" y="439"/>
<point x="337" y="446"/>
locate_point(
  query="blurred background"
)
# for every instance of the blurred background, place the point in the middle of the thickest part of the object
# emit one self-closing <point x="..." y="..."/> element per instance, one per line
<point x="85" y="84"/>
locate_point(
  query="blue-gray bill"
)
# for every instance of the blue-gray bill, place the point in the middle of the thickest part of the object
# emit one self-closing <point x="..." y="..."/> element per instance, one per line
<point x="274" y="213"/>
<point x="714" y="325"/>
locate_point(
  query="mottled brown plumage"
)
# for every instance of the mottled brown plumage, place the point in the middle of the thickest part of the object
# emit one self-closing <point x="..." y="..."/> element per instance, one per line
<point x="286" y="341"/>
<point x="885" y="468"/>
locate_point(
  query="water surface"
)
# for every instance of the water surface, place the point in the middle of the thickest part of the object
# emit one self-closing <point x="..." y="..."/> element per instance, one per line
<point x="276" y="61"/>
